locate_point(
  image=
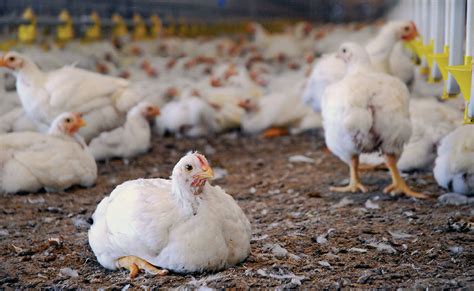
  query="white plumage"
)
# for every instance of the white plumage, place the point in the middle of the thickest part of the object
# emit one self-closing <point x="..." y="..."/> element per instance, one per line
<point x="431" y="121"/>
<point x="190" y="116"/>
<point x="55" y="161"/>
<point x="184" y="225"/>
<point x="129" y="140"/>
<point x="280" y="109"/>
<point x="327" y="70"/>
<point x="387" y="53"/>
<point x="454" y="166"/>
<point x="44" y="95"/>
<point x="366" y="112"/>
<point x="16" y="120"/>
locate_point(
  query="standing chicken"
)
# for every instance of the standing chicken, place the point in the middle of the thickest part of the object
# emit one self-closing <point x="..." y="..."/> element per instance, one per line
<point x="366" y="112"/>
<point x="183" y="224"/>
<point x="387" y="53"/>
<point x="129" y="140"/>
<point x="55" y="161"/>
<point x="454" y="166"/>
<point x="44" y="95"/>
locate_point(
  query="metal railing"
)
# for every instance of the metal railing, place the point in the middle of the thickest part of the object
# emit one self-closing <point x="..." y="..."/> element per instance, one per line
<point x="446" y="46"/>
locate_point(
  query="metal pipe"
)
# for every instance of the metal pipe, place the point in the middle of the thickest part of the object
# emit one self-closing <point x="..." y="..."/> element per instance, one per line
<point x="470" y="28"/>
<point x="439" y="25"/>
<point x="437" y="22"/>
<point x="470" y="52"/>
<point x="456" y="39"/>
<point x="447" y="21"/>
<point x="426" y="21"/>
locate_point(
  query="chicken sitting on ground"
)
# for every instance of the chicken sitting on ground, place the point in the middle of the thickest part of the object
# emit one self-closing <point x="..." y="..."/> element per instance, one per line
<point x="129" y="140"/>
<point x="183" y="224"/>
<point x="103" y="100"/>
<point x="55" y="161"/>
<point x="454" y="166"/>
<point x="366" y="112"/>
<point x="190" y="116"/>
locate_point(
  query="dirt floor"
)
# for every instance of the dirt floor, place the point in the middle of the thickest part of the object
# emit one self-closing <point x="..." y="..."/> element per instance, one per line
<point x="302" y="233"/>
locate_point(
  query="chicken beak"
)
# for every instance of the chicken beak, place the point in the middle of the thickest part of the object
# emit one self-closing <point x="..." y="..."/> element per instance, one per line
<point x="3" y="63"/>
<point x="76" y="125"/>
<point x="155" y="111"/>
<point x="80" y="122"/>
<point x="207" y="173"/>
<point x="245" y="104"/>
<point x="414" y="33"/>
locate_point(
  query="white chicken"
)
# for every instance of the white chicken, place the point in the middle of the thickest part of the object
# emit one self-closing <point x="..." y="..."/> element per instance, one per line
<point x="277" y="112"/>
<point x="454" y="166"/>
<point x="327" y="70"/>
<point x="275" y="46"/>
<point x="44" y="95"/>
<point x="387" y="53"/>
<point x="183" y="224"/>
<point x="16" y="120"/>
<point x="366" y="112"/>
<point x="129" y="140"/>
<point x="190" y="116"/>
<point x="55" y="161"/>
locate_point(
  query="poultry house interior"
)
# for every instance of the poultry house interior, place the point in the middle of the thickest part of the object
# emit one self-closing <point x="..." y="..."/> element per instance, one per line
<point x="237" y="144"/>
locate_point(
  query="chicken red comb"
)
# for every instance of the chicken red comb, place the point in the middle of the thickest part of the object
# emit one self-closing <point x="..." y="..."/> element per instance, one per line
<point x="202" y="160"/>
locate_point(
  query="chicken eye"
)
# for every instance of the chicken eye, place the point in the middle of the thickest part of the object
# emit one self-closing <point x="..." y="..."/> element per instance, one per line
<point x="406" y="28"/>
<point x="11" y="59"/>
<point x="344" y="50"/>
<point x="188" y="168"/>
<point x="68" y="120"/>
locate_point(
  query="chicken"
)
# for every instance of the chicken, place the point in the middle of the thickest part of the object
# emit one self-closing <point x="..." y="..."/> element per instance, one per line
<point x="8" y="100"/>
<point x="190" y="116"/>
<point x="129" y="140"/>
<point x="44" y="95"/>
<point x="184" y="224"/>
<point x="327" y="70"/>
<point x="387" y="53"/>
<point x="277" y="46"/>
<point x="16" y="120"/>
<point x="366" y="112"/>
<point x="55" y="161"/>
<point x="454" y="166"/>
<point x="282" y="109"/>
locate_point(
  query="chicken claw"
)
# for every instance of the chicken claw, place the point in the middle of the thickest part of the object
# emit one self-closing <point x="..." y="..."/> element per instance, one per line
<point x="403" y="188"/>
<point x="398" y="184"/>
<point x="352" y="187"/>
<point x="135" y="264"/>
<point x="355" y="184"/>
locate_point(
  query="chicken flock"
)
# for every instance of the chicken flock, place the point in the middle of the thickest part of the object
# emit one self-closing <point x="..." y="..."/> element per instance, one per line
<point x="66" y="108"/>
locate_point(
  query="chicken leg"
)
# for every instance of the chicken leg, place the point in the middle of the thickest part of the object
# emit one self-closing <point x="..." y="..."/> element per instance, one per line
<point x="354" y="184"/>
<point x="398" y="184"/>
<point x="135" y="264"/>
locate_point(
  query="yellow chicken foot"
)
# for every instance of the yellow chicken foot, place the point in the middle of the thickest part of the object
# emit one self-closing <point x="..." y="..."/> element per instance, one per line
<point x="355" y="184"/>
<point x="275" y="132"/>
<point x="135" y="264"/>
<point x="398" y="184"/>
